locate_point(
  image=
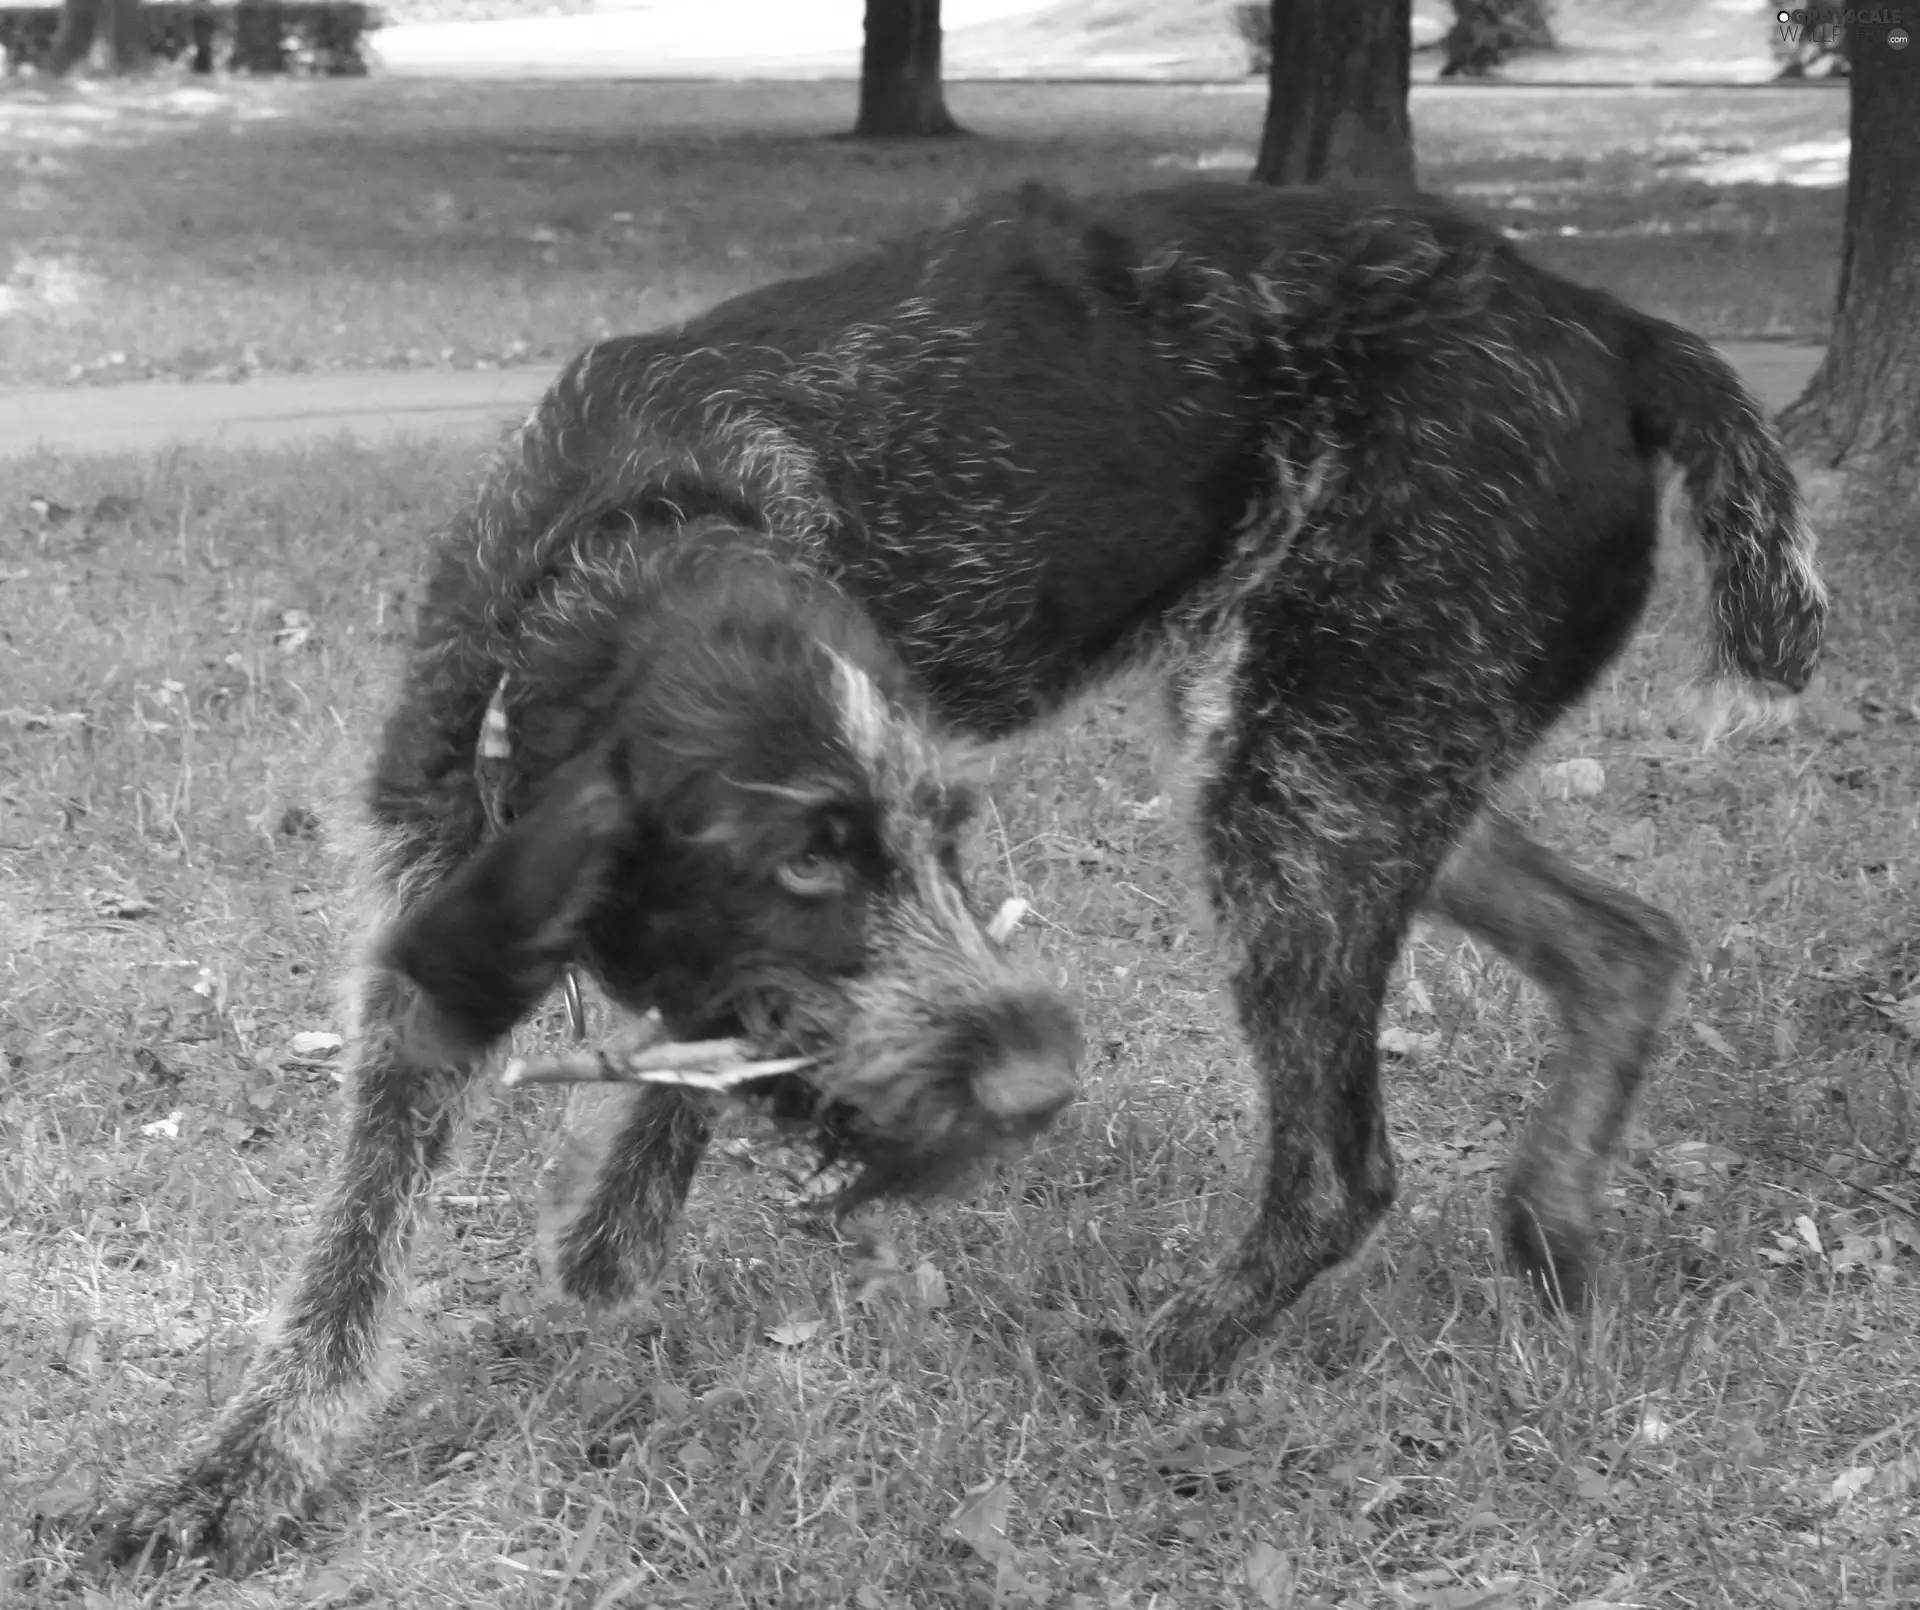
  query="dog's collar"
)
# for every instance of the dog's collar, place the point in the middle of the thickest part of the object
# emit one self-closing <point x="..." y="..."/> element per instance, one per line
<point x="491" y="758"/>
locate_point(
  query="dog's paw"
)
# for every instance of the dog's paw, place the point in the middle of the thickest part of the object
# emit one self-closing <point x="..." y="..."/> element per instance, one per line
<point x="1193" y="1342"/>
<point x="1096" y="1365"/>
<point x="231" y="1512"/>
<point x="582" y="1264"/>
<point x="1555" y="1250"/>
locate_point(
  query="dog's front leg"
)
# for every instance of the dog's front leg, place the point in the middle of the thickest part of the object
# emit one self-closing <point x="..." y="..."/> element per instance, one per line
<point x="618" y="1186"/>
<point x="322" y="1370"/>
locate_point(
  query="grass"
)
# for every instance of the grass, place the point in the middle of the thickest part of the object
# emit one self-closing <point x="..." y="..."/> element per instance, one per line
<point x="184" y="231"/>
<point x="190" y="687"/>
<point x="188" y="683"/>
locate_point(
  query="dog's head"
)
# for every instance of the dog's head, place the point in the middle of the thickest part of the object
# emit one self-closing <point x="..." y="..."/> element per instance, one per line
<point x="760" y="836"/>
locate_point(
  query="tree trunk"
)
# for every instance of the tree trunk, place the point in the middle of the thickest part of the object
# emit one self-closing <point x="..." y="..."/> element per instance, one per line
<point x="112" y="30"/>
<point x="74" y="37"/>
<point x="1337" y="94"/>
<point x="259" y="42"/>
<point x="900" y="91"/>
<point x="1862" y="406"/>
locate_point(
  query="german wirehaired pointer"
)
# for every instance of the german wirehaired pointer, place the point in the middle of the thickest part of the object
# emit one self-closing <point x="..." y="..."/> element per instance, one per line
<point x="1372" y="496"/>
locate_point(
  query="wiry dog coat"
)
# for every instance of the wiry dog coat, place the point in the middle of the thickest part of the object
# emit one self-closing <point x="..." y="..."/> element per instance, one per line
<point x="1376" y="496"/>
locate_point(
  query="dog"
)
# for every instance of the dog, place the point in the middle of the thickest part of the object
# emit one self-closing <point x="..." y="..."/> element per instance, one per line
<point x="1374" y="500"/>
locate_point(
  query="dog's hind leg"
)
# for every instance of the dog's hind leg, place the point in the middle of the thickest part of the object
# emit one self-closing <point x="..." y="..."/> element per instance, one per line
<point x="1611" y="964"/>
<point x="1321" y="821"/>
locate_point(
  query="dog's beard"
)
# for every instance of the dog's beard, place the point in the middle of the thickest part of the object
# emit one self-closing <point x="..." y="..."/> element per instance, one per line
<point x="869" y="1116"/>
<point x="886" y="1098"/>
<point x="782" y="1012"/>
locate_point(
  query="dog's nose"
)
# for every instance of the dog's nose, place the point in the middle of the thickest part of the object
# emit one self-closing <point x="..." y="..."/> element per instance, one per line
<point x="1029" y="1046"/>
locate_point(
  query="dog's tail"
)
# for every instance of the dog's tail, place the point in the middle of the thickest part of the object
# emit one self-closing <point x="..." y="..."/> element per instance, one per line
<point x="1769" y="605"/>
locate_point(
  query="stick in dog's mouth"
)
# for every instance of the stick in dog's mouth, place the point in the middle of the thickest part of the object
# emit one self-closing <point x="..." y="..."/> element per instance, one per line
<point x="719" y="1067"/>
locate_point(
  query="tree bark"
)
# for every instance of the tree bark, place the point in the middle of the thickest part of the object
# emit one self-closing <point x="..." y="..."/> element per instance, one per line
<point x="1862" y="407"/>
<point x="111" y="30"/>
<point x="1337" y="94"/>
<point x="900" y="90"/>
<point x="259" y="45"/>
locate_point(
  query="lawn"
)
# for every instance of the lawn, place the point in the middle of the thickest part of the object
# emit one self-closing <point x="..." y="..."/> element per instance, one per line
<point x="192" y="665"/>
<point x="185" y="231"/>
<point x="192" y="678"/>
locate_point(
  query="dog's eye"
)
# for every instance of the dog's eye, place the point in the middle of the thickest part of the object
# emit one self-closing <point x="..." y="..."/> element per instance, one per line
<point x="812" y="874"/>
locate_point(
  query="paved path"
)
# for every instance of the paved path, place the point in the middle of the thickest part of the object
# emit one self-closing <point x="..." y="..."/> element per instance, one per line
<point x="478" y="404"/>
<point x="271" y="411"/>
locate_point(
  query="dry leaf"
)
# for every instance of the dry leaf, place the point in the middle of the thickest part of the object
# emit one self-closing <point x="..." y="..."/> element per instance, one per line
<point x="1409" y="1043"/>
<point x="1713" y="1039"/>
<point x="1809" y="1232"/>
<point x="822" y="1186"/>
<point x="296" y="627"/>
<point x="1204" y="1459"/>
<point x="1588" y="1483"/>
<point x="981" y="1519"/>
<point x="871" y="1290"/>
<point x="69" y="1496"/>
<point x="1013" y="911"/>
<point x="1497" y="1596"/>
<point x="671" y="1404"/>
<point x="1904" y="1015"/>
<point x="794" y="1332"/>
<point x="314" y="1043"/>
<point x="1898" y="1479"/>
<point x="1615" y="1594"/>
<point x="1834" y="715"/>
<point x="167" y="1128"/>
<point x="1850" y="1483"/>
<point x="44" y="720"/>
<point x="1573" y="779"/>
<point x="327" y="1585"/>
<point x="931" y="1285"/>
<point x="124" y="907"/>
<point x="598" y="1398"/>
<point x="1699" y="1159"/>
<point x="1269" y="1575"/>
<point x="1634" y="842"/>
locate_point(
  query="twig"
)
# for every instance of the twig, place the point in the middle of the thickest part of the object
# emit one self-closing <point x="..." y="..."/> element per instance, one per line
<point x="716" y="1065"/>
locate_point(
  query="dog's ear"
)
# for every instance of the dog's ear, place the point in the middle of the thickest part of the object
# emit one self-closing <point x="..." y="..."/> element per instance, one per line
<point x="493" y="937"/>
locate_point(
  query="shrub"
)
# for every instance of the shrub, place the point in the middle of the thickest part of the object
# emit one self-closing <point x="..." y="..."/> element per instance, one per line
<point x="1486" y="32"/>
<point x="1253" y="21"/>
<point x="1819" y="52"/>
<point x="315" y="38"/>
